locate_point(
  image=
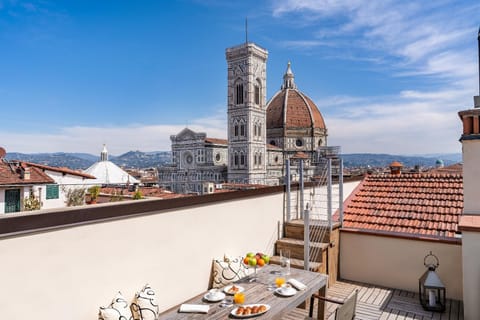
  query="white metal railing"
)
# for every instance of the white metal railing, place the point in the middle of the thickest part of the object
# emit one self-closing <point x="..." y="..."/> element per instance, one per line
<point x="318" y="206"/>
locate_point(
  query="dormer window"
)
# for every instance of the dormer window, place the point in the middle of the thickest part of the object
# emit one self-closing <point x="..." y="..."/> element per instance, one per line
<point x="239" y="93"/>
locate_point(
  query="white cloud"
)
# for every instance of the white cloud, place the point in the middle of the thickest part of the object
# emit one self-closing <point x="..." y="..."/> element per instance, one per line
<point x="412" y="122"/>
<point x="430" y="43"/>
<point x="421" y="34"/>
<point x="118" y="139"/>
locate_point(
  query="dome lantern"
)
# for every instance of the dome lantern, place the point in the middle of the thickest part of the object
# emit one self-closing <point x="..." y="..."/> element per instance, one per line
<point x="289" y="78"/>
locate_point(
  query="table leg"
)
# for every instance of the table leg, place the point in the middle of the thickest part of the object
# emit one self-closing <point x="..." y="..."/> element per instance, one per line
<point x="321" y="303"/>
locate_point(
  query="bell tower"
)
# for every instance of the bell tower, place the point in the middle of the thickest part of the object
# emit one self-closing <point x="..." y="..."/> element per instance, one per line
<point x="246" y="98"/>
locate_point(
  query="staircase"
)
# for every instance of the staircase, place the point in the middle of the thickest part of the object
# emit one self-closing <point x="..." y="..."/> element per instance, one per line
<point x="320" y="240"/>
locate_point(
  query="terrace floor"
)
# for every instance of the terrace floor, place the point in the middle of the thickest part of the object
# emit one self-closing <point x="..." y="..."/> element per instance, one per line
<point x="376" y="302"/>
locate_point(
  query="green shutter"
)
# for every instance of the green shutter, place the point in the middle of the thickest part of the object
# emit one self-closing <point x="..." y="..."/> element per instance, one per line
<point x="52" y="191"/>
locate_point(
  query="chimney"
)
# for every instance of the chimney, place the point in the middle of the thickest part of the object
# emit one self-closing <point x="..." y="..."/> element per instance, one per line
<point x="26" y="173"/>
<point x="396" y="168"/>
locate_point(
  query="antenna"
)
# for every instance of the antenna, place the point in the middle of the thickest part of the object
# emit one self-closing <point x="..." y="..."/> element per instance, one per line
<point x="246" y="29"/>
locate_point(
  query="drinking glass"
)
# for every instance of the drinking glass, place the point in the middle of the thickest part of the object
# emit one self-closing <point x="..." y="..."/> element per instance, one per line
<point x="285" y="261"/>
<point x="239" y="298"/>
<point x="279" y="281"/>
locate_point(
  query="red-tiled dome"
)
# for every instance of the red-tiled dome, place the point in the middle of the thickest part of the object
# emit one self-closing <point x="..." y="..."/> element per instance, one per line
<point x="290" y="108"/>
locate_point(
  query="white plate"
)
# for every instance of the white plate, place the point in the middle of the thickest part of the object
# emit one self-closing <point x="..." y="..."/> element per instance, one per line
<point x="218" y="297"/>
<point x="227" y="288"/>
<point x="286" y="292"/>
<point x="234" y="311"/>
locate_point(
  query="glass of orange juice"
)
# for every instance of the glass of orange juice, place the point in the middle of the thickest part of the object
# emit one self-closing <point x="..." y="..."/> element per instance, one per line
<point x="279" y="281"/>
<point x="239" y="298"/>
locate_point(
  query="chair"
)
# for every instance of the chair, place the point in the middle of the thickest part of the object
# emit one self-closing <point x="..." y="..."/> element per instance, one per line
<point x="346" y="310"/>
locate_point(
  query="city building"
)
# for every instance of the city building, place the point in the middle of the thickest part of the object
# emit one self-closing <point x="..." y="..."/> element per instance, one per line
<point x="261" y="135"/>
<point x="108" y="173"/>
<point x="30" y="186"/>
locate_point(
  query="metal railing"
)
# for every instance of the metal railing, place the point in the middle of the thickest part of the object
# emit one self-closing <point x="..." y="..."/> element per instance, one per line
<point x="318" y="206"/>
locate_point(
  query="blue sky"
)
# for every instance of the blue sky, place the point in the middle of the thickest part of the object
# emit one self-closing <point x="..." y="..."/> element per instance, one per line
<point x="388" y="76"/>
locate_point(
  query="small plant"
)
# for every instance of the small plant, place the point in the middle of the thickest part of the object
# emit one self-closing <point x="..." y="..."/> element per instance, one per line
<point x="31" y="203"/>
<point x="75" y="197"/>
<point x="137" y="195"/>
<point x="116" y="196"/>
<point x="94" y="191"/>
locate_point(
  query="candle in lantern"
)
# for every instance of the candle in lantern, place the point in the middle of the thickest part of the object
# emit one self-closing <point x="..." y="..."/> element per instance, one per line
<point x="431" y="298"/>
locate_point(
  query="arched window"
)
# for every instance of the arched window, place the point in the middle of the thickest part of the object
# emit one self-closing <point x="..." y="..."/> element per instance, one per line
<point x="260" y="158"/>
<point x="239" y="93"/>
<point x="242" y="159"/>
<point x="236" y="130"/>
<point x="236" y="160"/>
<point x="242" y="130"/>
<point x="257" y="95"/>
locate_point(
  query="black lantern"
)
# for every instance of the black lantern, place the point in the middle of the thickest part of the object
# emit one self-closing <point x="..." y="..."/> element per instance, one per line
<point x="431" y="288"/>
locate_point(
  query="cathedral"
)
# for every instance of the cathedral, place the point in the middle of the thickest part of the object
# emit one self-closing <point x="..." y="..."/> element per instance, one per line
<point x="261" y="136"/>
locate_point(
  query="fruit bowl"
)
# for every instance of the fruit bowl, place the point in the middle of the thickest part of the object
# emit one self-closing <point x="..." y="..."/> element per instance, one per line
<point x="255" y="261"/>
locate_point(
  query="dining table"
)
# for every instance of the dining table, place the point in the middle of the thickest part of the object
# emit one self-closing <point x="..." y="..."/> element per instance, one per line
<point x="258" y="290"/>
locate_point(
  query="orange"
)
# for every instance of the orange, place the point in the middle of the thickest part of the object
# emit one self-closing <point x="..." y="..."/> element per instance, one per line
<point x="261" y="262"/>
<point x="245" y="260"/>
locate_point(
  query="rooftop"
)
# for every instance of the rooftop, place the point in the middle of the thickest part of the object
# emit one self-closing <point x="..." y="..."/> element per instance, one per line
<point x="412" y="205"/>
<point x="12" y="173"/>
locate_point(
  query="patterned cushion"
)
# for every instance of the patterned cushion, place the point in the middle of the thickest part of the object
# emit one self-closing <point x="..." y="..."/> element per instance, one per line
<point x="117" y="310"/>
<point x="227" y="271"/>
<point x="144" y="305"/>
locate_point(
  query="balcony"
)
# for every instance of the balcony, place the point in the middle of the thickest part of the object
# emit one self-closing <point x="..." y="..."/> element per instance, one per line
<point x="64" y="264"/>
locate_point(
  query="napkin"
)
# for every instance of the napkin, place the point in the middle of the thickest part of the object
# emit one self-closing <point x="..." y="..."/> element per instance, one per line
<point x="200" y="308"/>
<point x="297" y="284"/>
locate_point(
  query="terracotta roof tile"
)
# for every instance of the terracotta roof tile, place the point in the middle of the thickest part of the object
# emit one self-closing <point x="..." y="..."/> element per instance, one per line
<point x="216" y="141"/>
<point x="11" y="174"/>
<point x="300" y="111"/>
<point x="413" y="204"/>
<point x="59" y="169"/>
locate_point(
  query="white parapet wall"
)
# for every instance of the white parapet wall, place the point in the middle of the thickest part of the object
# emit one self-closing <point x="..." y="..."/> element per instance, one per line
<point x="397" y="262"/>
<point x="69" y="273"/>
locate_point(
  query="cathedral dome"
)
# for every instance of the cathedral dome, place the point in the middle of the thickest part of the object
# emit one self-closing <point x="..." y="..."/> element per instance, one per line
<point x="290" y="108"/>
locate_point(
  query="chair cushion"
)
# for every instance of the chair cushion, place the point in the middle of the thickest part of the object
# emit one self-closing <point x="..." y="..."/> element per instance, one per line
<point x="228" y="270"/>
<point x="144" y="305"/>
<point x="117" y="310"/>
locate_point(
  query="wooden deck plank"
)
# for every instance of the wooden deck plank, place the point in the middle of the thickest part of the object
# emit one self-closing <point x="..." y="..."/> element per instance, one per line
<point x="375" y="302"/>
<point x="382" y="297"/>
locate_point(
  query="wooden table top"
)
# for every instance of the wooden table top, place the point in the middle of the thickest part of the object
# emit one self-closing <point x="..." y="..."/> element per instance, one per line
<point x="257" y="293"/>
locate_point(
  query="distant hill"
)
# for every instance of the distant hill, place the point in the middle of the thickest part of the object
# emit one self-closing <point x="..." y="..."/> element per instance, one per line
<point x="138" y="159"/>
<point x="131" y="159"/>
<point x="59" y="159"/>
<point x="383" y="160"/>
